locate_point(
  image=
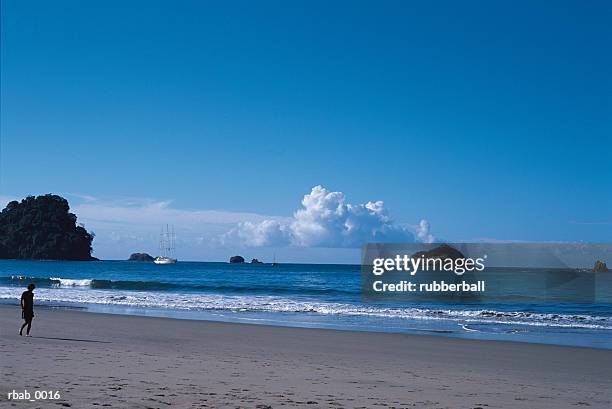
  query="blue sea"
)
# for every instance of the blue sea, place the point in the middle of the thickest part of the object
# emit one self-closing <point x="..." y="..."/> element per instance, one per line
<point x="515" y="307"/>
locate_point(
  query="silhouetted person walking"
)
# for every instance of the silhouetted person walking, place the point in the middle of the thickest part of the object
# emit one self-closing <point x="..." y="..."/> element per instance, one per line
<point x="27" y="309"/>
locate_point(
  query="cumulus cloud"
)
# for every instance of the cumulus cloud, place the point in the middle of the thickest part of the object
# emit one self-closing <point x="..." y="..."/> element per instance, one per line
<point x="326" y="219"/>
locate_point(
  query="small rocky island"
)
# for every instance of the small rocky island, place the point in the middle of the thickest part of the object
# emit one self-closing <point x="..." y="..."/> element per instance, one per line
<point x="141" y="257"/>
<point x="42" y="228"/>
<point x="443" y="251"/>
<point x="240" y="260"/>
<point x="600" y="267"/>
<point x="236" y="259"/>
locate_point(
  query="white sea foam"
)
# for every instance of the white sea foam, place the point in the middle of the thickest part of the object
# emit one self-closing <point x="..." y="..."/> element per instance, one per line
<point x="68" y="282"/>
<point x="276" y="304"/>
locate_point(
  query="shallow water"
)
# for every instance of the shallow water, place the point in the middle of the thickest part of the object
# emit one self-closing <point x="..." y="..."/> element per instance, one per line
<point x="567" y="307"/>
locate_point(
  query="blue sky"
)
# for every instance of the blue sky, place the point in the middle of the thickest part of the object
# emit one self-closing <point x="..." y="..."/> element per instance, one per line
<point x="491" y="121"/>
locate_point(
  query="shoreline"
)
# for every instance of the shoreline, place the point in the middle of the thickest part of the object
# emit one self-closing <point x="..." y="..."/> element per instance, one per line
<point x="298" y="320"/>
<point x="186" y="315"/>
<point x="135" y="361"/>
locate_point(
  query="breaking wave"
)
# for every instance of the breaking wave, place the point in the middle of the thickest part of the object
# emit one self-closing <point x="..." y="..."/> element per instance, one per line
<point x="57" y="282"/>
<point x="278" y="304"/>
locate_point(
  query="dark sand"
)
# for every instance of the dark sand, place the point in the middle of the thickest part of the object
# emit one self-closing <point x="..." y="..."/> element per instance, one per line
<point x="100" y="360"/>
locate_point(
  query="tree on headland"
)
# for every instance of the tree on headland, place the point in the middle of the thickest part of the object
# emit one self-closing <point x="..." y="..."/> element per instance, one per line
<point x="42" y="228"/>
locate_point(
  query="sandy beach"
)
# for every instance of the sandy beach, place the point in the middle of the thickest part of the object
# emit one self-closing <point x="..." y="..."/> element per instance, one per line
<point x="103" y="360"/>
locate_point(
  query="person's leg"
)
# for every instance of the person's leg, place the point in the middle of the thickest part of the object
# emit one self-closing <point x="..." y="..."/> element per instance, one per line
<point x="29" y="326"/>
<point x="22" y="327"/>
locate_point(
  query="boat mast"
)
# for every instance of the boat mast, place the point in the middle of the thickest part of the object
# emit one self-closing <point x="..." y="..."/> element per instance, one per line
<point x="173" y="243"/>
<point x="161" y="243"/>
<point x="167" y="242"/>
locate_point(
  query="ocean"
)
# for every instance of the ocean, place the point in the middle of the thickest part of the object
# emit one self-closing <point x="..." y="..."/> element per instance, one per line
<point x="519" y="304"/>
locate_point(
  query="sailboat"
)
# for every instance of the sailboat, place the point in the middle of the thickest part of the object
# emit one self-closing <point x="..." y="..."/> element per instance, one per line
<point x="166" y="247"/>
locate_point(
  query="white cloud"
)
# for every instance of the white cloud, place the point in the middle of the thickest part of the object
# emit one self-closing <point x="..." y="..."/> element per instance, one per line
<point x="258" y="234"/>
<point x="154" y="213"/>
<point x="422" y="232"/>
<point x="326" y="220"/>
<point x="133" y="225"/>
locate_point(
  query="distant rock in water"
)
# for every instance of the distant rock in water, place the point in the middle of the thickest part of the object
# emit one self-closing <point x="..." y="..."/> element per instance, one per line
<point x="600" y="267"/>
<point x="141" y="257"/>
<point x="236" y="259"/>
<point x="443" y="251"/>
<point x="255" y="261"/>
<point x="42" y="228"/>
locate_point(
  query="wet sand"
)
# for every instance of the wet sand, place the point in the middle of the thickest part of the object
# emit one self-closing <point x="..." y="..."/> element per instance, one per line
<point x="103" y="360"/>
